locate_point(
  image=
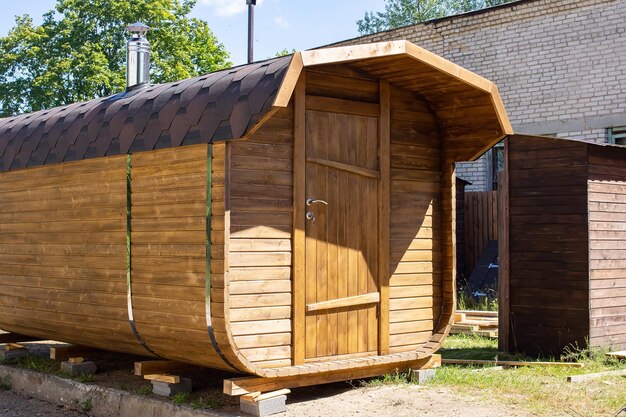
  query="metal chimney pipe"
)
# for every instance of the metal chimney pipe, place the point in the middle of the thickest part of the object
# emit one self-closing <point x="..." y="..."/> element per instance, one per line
<point x="137" y="56"/>
<point x="251" y="4"/>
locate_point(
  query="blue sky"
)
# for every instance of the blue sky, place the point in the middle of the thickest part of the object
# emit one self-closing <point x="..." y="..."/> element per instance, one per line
<point x="280" y="24"/>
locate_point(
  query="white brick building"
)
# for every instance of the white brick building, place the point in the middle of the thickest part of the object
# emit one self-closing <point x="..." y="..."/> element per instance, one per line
<point x="560" y="66"/>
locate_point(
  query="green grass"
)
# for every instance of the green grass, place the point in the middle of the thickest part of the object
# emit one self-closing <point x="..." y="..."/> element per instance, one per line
<point x="543" y="391"/>
<point x="465" y="301"/>
<point x="85" y="378"/>
<point x="205" y="400"/>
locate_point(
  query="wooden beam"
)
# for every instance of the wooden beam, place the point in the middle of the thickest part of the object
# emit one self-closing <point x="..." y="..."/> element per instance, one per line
<point x="160" y="367"/>
<point x="509" y="363"/>
<point x="15" y="338"/>
<point x="504" y="309"/>
<point x="365" y="172"/>
<point x="299" y="234"/>
<point x="384" y="213"/>
<point x="246" y="385"/>
<point x="355" y="300"/>
<point x="63" y="353"/>
<point x="589" y="377"/>
<point x="337" y="105"/>
<point x="170" y="379"/>
<point x="290" y="81"/>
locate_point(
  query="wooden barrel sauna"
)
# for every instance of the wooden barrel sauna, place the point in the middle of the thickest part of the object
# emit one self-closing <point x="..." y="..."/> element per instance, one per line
<point x="286" y="217"/>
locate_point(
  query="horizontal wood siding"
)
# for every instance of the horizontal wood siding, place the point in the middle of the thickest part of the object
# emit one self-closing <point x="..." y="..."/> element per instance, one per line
<point x="261" y="178"/>
<point x="548" y="244"/>
<point x="607" y="247"/>
<point x="416" y="223"/>
<point x="63" y="254"/>
<point x="168" y="247"/>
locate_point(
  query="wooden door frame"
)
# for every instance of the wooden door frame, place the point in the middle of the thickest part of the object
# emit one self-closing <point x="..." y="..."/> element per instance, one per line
<point x="299" y="232"/>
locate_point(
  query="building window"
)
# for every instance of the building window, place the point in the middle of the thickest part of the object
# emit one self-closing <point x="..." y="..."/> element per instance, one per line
<point x="497" y="164"/>
<point x="617" y="135"/>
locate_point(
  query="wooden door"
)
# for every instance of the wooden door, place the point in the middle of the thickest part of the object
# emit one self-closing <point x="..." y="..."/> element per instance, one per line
<point x="341" y="247"/>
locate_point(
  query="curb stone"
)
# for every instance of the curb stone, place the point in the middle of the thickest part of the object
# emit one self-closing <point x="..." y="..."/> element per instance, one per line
<point x="105" y="402"/>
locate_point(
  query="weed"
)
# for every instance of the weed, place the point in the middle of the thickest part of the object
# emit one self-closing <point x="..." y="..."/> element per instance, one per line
<point x="211" y="400"/>
<point x="181" y="398"/>
<point x="145" y="390"/>
<point x="86" y="405"/>
<point x="39" y="364"/>
<point x="5" y="383"/>
<point x="488" y="302"/>
<point x="86" y="378"/>
<point x="83" y="406"/>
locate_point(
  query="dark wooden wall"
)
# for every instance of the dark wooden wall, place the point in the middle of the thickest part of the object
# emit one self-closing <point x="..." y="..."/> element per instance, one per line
<point x="607" y="246"/>
<point x="548" y="244"/>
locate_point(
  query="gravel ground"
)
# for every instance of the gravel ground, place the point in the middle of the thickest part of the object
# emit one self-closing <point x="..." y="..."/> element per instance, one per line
<point x="14" y="405"/>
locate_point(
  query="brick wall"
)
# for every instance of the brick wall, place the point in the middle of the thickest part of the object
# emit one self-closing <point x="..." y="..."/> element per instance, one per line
<point x="560" y="65"/>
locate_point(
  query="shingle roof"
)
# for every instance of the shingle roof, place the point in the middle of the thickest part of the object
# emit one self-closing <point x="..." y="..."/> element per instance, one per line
<point x="214" y="107"/>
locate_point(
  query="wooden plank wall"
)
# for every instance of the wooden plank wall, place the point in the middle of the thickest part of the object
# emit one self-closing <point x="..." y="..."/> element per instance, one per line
<point x="480" y="224"/>
<point x="548" y="244"/>
<point x="168" y="253"/>
<point x="261" y="202"/>
<point x="415" y="229"/>
<point x="63" y="253"/>
<point x="607" y="247"/>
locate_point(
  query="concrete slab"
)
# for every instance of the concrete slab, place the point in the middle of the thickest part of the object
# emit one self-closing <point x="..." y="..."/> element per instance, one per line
<point x="106" y="402"/>
<point x="77" y="369"/>
<point x="264" y="408"/>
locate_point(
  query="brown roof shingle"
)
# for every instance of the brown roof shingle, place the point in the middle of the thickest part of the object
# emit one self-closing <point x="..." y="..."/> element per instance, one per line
<point x="218" y="106"/>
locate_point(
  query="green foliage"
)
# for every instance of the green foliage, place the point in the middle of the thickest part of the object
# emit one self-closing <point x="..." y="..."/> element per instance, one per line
<point x="285" y="52"/>
<point x="5" y="383"/>
<point x="82" y="406"/>
<point x="79" y="51"/>
<point x="400" y="13"/>
<point x="466" y="301"/>
<point x="86" y="378"/>
<point x="181" y="398"/>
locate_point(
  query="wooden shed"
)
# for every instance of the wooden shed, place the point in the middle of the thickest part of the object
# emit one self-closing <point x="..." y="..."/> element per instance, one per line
<point x="563" y="245"/>
<point x="284" y="218"/>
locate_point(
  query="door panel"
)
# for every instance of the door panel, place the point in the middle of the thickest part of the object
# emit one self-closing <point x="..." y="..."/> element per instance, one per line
<point x="341" y="242"/>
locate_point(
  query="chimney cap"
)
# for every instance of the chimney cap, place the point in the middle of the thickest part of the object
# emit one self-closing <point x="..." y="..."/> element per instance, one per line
<point x="138" y="27"/>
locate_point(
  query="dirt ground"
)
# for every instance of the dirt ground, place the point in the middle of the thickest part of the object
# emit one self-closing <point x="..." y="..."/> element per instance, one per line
<point x="393" y="401"/>
<point x="343" y="399"/>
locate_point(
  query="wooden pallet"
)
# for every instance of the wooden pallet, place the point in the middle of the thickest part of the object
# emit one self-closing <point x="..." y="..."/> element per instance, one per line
<point x="483" y="323"/>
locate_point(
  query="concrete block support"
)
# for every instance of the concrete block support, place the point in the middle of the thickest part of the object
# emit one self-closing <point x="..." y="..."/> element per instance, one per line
<point x="264" y="408"/>
<point x="12" y="356"/>
<point x="421" y="376"/>
<point x="77" y="369"/>
<point x="166" y="389"/>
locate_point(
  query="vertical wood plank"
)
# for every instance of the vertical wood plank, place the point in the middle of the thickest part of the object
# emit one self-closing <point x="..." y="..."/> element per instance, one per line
<point x="299" y="240"/>
<point x="383" y="217"/>
<point x="503" y="254"/>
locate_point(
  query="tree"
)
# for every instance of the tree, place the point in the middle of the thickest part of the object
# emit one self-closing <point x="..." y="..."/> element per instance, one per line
<point x="79" y="51"/>
<point x="400" y="13"/>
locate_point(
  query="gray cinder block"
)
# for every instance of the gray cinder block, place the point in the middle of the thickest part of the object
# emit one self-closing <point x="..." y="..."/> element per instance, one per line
<point x="166" y="389"/>
<point x="420" y="376"/>
<point x="77" y="369"/>
<point x="11" y="356"/>
<point x="264" y="408"/>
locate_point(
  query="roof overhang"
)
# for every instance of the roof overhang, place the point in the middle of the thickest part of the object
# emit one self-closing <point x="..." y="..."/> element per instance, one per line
<point x="469" y="107"/>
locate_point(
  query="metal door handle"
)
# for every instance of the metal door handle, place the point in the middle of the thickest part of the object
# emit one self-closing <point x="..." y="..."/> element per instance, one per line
<point x="310" y="201"/>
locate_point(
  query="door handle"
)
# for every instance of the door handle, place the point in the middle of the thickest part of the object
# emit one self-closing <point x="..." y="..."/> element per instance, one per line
<point x="310" y="201"/>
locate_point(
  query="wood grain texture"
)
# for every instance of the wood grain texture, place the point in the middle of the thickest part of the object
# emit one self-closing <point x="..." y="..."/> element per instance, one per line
<point x="260" y="243"/>
<point x="63" y="242"/>
<point x="415" y="220"/>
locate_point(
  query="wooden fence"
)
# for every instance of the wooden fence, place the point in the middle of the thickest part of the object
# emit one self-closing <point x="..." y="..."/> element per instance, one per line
<point x="481" y="224"/>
